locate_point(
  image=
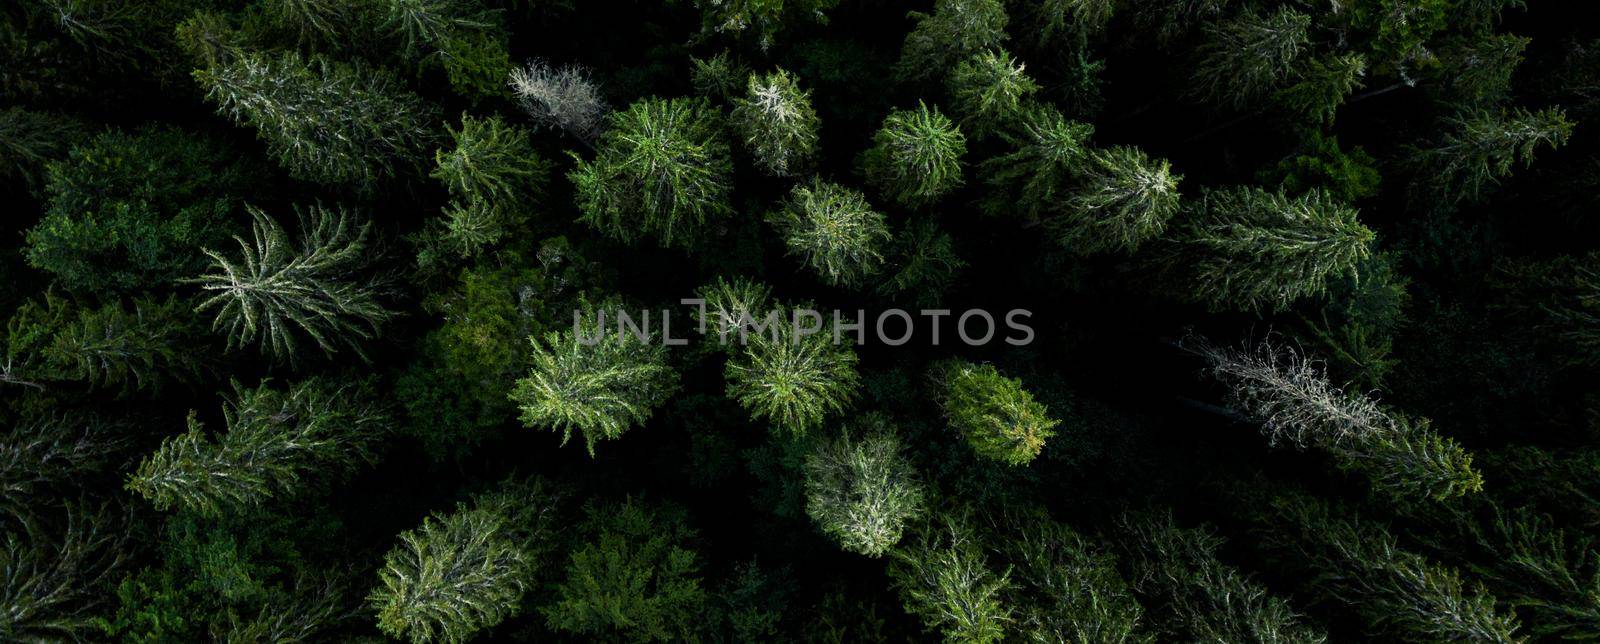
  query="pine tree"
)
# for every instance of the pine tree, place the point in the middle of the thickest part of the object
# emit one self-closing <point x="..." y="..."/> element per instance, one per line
<point x="1249" y="249"/>
<point x="1078" y="18"/>
<point x="563" y="98"/>
<point x="1121" y="200"/>
<point x="467" y="571"/>
<point x="1478" y="70"/>
<point x="129" y="211"/>
<point x="278" y="443"/>
<point x="109" y="346"/>
<point x="1067" y="586"/>
<point x="1205" y="599"/>
<point x="761" y="20"/>
<point x="990" y="92"/>
<point x="788" y="379"/>
<point x="305" y="612"/>
<point x="861" y="490"/>
<point x="956" y="30"/>
<point x="777" y="123"/>
<point x="1035" y="177"/>
<point x="833" y="230"/>
<point x="731" y="305"/>
<point x="325" y="121"/>
<point x="55" y="581"/>
<point x="922" y="262"/>
<point x="1479" y="148"/>
<point x="634" y="577"/>
<point x="1321" y="87"/>
<point x="280" y="290"/>
<point x="1361" y="564"/>
<point x="1293" y="399"/>
<point x="492" y="162"/>
<point x="593" y="380"/>
<point x="916" y="156"/>
<point x="1000" y="419"/>
<point x="662" y="170"/>
<point x="945" y="580"/>
<point x="460" y="35"/>
<point x="44" y="456"/>
<point x="1249" y="55"/>
<point x="719" y="78"/>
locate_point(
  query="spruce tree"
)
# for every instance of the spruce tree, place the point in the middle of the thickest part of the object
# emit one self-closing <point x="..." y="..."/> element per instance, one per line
<point x="595" y="379"/>
<point x="662" y="170"/>
<point x="56" y="579"/>
<point x="1000" y="420"/>
<point x="280" y="290"/>
<point x="494" y="175"/>
<point x="1478" y="70"/>
<point x="1067" y="585"/>
<point x="1295" y="403"/>
<point x="1321" y="86"/>
<point x="462" y="36"/>
<point x="956" y="30"/>
<point x="791" y="380"/>
<point x="777" y="123"/>
<point x="759" y="20"/>
<point x="1035" y="176"/>
<point x="325" y="121"/>
<point x="990" y="92"/>
<point x="110" y="346"/>
<point x="1249" y="55"/>
<point x="45" y="455"/>
<point x="731" y="305"/>
<point x="279" y="442"/>
<point x="861" y="490"/>
<point x="947" y="582"/>
<point x="1361" y="564"/>
<point x="1479" y="148"/>
<point x="833" y="230"/>
<point x="633" y="576"/>
<point x="1248" y="249"/>
<point x="916" y="156"/>
<point x="1078" y="18"/>
<point x="1122" y="199"/>
<point x="1204" y="598"/>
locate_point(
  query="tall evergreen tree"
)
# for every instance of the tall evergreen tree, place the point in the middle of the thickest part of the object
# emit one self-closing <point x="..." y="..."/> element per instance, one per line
<point x="731" y="305"/>
<point x="1036" y="175"/>
<point x="834" y="230"/>
<point x="861" y="490"/>
<point x="1067" y="586"/>
<point x="990" y="92"/>
<point x="634" y="576"/>
<point x="1249" y="55"/>
<point x="325" y="121"/>
<point x="945" y="580"/>
<point x="760" y="20"/>
<point x="1122" y="199"/>
<point x="777" y="123"/>
<point x="922" y="262"/>
<point x="279" y="442"/>
<point x="110" y="346"/>
<point x="1000" y="419"/>
<point x="1295" y="403"/>
<point x="916" y="156"/>
<point x="1479" y="148"/>
<point x="1246" y="248"/>
<point x="790" y="379"/>
<point x="1321" y="86"/>
<point x="593" y="380"/>
<point x="54" y="580"/>
<point x="662" y="170"/>
<point x="281" y="289"/>
<point x="955" y="30"/>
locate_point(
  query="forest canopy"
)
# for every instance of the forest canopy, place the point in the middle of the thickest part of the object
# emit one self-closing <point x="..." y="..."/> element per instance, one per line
<point x="637" y="320"/>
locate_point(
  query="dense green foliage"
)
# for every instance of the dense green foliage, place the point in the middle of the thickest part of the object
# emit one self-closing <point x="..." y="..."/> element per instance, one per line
<point x="1087" y="321"/>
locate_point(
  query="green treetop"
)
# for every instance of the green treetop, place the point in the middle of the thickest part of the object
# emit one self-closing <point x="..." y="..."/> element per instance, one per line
<point x="110" y="346"/>
<point x="861" y="490"/>
<point x="1067" y="588"/>
<point x="761" y="20"/>
<point x="661" y="170"/>
<point x="494" y="176"/>
<point x="462" y="36"/>
<point x="279" y="290"/>
<point x="916" y="156"/>
<point x="789" y="379"/>
<point x="325" y="121"/>
<point x="833" y="230"/>
<point x="1321" y="86"/>
<point x="1249" y="55"/>
<point x="634" y="576"/>
<point x="600" y="384"/>
<point x="955" y="31"/>
<point x="131" y="211"/>
<point x="1034" y="177"/>
<point x="730" y="304"/>
<point x="946" y="581"/>
<point x="1000" y="419"/>
<point x="1122" y="199"/>
<point x="1480" y="148"/>
<point x="278" y="443"/>
<point x="776" y="121"/>
<point x="989" y="91"/>
<point x="1254" y="250"/>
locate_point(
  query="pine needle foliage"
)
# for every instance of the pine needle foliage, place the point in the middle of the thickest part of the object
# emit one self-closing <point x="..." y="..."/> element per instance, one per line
<point x="593" y="379"/>
<point x="635" y="576"/>
<point x="760" y="20"/>
<point x="56" y="580"/>
<point x="990" y="92"/>
<point x="791" y="380"/>
<point x="1296" y="404"/>
<point x="860" y="488"/>
<point x="279" y="290"/>
<point x="1000" y="419"/>
<point x="324" y="121"/>
<point x="1253" y="250"/>
<point x="833" y="230"/>
<point x="946" y="581"/>
<point x="1122" y="199"/>
<point x="491" y="161"/>
<point x="1249" y="55"/>
<point x="922" y="262"/>
<point x="777" y="123"/>
<point x="955" y="31"/>
<point x="1067" y="585"/>
<point x="662" y="170"/>
<point x="1480" y="148"/>
<point x="279" y="443"/>
<point x="144" y="346"/>
<point x="730" y="305"/>
<point x="916" y="156"/>
<point x="1034" y="178"/>
<point x="1322" y="86"/>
